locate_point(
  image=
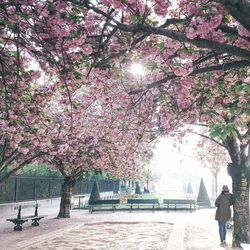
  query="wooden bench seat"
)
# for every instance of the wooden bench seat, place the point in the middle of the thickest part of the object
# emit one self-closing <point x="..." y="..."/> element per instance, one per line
<point x="182" y="203"/>
<point x="137" y="202"/>
<point x="19" y="220"/>
<point x="95" y="204"/>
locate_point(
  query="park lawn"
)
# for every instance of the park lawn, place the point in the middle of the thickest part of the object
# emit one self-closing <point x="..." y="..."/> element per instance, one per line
<point x="154" y="196"/>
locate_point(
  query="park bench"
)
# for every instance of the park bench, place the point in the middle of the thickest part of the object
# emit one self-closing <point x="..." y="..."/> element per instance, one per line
<point x="112" y="203"/>
<point x="202" y="204"/>
<point x="182" y="202"/>
<point x="138" y="202"/>
<point x="19" y="220"/>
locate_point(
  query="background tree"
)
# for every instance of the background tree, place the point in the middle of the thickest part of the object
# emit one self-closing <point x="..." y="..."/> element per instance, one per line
<point x="148" y="173"/>
<point x="212" y="156"/>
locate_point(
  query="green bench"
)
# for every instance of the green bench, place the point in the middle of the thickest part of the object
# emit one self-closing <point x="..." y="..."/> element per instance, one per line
<point x="138" y="202"/>
<point x="182" y="203"/>
<point x="96" y="204"/>
<point x="19" y="220"/>
<point x="201" y="204"/>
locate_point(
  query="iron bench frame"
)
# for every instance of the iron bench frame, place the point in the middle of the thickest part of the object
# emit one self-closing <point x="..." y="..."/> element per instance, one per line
<point x="19" y="220"/>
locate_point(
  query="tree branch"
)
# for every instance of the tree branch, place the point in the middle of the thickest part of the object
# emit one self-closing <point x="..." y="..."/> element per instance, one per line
<point x="240" y="10"/>
<point x="207" y="137"/>
<point x="171" y="76"/>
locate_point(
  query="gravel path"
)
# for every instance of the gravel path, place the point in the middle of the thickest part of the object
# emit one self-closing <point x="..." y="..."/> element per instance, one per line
<point x="139" y="230"/>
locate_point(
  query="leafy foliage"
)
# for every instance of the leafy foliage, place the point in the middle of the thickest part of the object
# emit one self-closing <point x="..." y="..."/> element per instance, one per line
<point x="39" y="170"/>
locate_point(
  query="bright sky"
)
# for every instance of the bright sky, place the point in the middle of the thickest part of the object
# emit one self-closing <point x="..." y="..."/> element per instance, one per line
<point x="176" y="169"/>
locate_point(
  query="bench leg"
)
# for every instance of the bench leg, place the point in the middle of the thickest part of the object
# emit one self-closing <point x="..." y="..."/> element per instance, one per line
<point x="18" y="227"/>
<point x="91" y="209"/>
<point x="35" y="222"/>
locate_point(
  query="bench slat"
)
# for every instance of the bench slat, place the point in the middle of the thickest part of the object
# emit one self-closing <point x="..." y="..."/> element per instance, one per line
<point x="143" y="201"/>
<point x="175" y="202"/>
<point x="33" y="217"/>
<point x="25" y="206"/>
<point x="178" y="201"/>
<point x="103" y="202"/>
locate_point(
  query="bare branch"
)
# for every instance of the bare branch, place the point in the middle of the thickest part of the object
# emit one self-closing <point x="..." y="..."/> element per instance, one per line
<point x="207" y="137"/>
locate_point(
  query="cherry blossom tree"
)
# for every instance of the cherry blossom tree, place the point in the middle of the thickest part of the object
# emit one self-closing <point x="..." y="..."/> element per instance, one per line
<point x="197" y="54"/>
<point x="94" y="130"/>
<point x="44" y="32"/>
<point x="22" y="119"/>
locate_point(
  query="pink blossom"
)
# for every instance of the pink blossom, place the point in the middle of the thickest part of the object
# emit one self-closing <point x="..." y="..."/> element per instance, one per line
<point x="18" y="138"/>
<point x="191" y="33"/>
<point x="161" y="7"/>
<point x="117" y="4"/>
<point x="90" y="22"/>
<point x="114" y="45"/>
<point x="87" y="49"/>
<point x="184" y="69"/>
<point x="24" y="151"/>
<point x="242" y="31"/>
<point x="14" y="145"/>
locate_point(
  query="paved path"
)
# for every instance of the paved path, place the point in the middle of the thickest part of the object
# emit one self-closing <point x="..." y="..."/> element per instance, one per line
<point x="177" y="233"/>
<point x="142" y="230"/>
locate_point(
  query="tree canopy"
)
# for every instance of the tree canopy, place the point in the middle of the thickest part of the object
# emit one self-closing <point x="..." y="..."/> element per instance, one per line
<point x="68" y="95"/>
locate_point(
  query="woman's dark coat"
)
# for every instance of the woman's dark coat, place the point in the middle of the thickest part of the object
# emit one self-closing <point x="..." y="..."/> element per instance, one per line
<point x="223" y="203"/>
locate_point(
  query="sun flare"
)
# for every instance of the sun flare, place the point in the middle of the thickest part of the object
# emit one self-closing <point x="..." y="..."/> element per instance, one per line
<point x="137" y="69"/>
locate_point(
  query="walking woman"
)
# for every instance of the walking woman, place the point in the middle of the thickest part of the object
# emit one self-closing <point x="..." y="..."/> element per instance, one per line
<point x="223" y="212"/>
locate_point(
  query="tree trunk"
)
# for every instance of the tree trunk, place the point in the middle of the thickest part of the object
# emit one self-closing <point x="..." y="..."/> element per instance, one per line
<point x="241" y="205"/>
<point x="65" y="204"/>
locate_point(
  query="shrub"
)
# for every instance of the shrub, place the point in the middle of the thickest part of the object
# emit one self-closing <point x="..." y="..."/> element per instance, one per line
<point x="202" y="195"/>
<point x="95" y="194"/>
<point x="189" y="188"/>
<point x="137" y="188"/>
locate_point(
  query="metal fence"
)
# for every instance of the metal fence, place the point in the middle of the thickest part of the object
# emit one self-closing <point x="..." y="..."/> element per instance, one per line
<point x="25" y="188"/>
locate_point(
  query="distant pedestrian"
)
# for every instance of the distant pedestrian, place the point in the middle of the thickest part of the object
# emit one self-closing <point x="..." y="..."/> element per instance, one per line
<point x="223" y="212"/>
